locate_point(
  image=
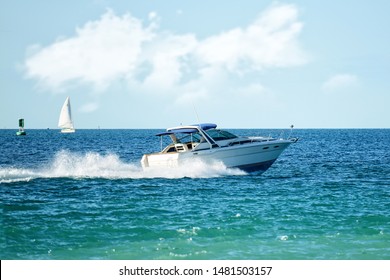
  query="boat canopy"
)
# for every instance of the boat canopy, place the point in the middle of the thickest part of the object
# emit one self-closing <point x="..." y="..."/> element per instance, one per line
<point x="206" y="126"/>
<point x="188" y="129"/>
<point x="180" y="130"/>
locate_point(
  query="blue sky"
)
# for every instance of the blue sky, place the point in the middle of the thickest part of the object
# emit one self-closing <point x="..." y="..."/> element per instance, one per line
<point x="151" y="64"/>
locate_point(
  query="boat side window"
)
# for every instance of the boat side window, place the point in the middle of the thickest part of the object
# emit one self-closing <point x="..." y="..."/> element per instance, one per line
<point x="171" y="149"/>
<point x="219" y="135"/>
<point x="190" y="138"/>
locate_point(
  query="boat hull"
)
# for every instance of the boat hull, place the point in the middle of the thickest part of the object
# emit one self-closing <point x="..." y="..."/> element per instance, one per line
<point x="252" y="157"/>
<point x="67" y="130"/>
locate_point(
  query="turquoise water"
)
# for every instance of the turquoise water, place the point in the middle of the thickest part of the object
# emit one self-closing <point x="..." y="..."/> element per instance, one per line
<point x="85" y="196"/>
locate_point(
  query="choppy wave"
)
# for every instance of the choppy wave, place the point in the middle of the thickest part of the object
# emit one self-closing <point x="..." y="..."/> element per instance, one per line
<point x="9" y="175"/>
<point x="110" y="166"/>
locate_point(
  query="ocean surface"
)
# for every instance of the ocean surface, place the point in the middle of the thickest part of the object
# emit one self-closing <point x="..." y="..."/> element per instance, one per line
<point x="85" y="196"/>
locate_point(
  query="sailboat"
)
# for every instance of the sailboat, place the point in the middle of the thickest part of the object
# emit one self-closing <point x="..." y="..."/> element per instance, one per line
<point x="65" y="122"/>
<point x="21" y="128"/>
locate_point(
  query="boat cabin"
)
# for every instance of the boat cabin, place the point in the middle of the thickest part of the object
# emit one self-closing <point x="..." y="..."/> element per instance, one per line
<point x="195" y="137"/>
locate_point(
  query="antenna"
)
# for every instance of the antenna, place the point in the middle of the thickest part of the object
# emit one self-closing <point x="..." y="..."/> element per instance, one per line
<point x="196" y="112"/>
<point x="291" y="129"/>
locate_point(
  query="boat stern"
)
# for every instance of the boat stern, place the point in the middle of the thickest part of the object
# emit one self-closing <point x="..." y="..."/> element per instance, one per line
<point x="160" y="160"/>
<point x="144" y="161"/>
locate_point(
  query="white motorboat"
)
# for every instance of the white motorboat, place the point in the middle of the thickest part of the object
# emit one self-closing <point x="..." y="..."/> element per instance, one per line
<point x="65" y="121"/>
<point x="209" y="144"/>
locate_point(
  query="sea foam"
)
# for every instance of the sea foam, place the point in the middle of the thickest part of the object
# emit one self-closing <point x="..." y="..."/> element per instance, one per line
<point x="66" y="164"/>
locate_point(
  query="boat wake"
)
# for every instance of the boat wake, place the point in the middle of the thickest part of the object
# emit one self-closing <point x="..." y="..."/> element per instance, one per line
<point x="67" y="164"/>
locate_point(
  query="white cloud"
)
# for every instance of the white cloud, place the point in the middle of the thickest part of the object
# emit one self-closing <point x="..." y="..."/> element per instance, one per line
<point x="100" y="52"/>
<point x="152" y="15"/>
<point x="115" y="48"/>
<point x="270" y="41"/>
<point x="253" y="90"/>
<point x="340" y="82"/>
<point x="167" y="55"/>
<point x="89" y="107"/>
<point x="211" y="80"/>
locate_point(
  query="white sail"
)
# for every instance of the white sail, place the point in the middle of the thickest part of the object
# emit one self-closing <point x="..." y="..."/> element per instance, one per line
<point x="65" y="122"/>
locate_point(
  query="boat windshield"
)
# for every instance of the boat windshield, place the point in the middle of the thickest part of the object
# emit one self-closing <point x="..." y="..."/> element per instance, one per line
<point x="220" y="135"/>
<point x="192" y="137"/>
<point x="215" y="134"/>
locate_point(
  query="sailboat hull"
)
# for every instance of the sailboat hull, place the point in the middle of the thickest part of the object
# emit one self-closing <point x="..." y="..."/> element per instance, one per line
<point x="67" y="130"/>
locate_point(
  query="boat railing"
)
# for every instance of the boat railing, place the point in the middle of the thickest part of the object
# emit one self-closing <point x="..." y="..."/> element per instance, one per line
<point x="249" y="140"/>
<point x="262" y="138"/>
